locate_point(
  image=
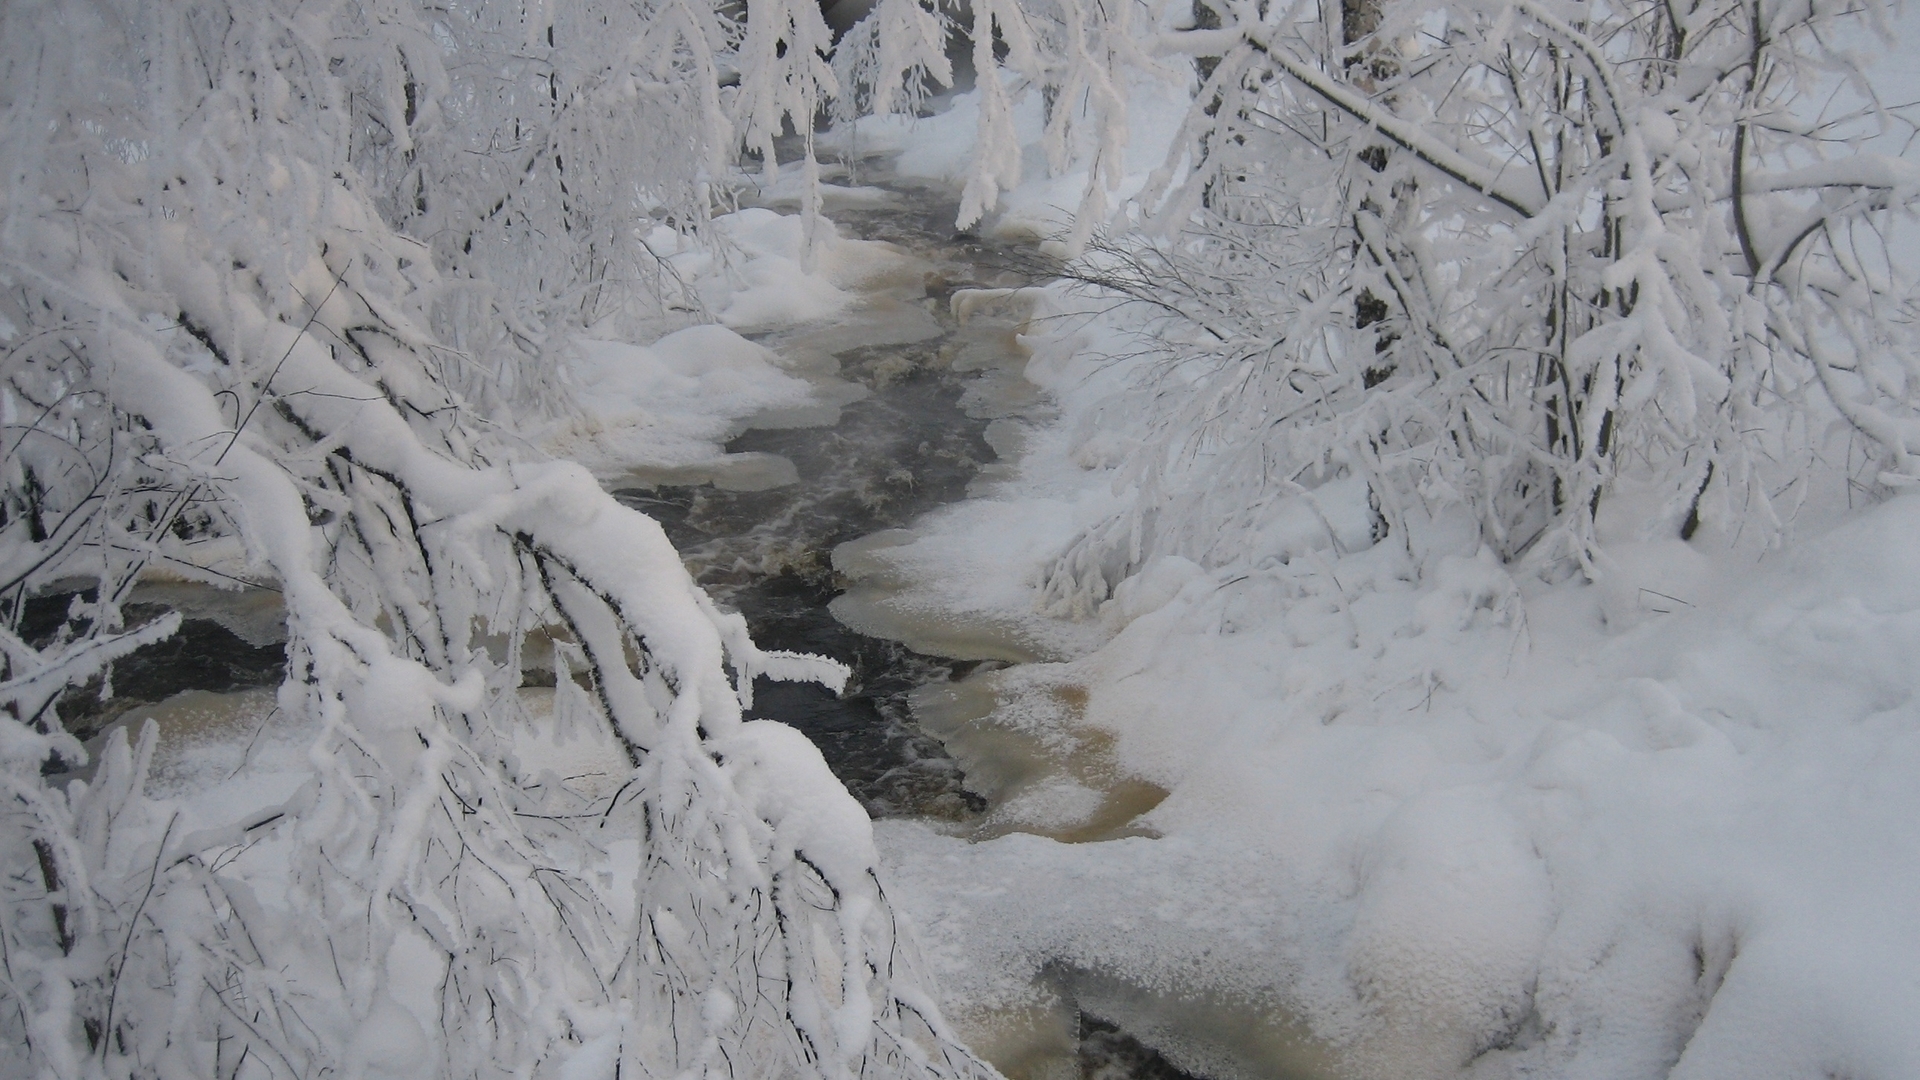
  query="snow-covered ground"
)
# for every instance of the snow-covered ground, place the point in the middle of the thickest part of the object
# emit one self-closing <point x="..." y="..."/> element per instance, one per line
<point x="1339" y="807"/>
<point x="1399" y="813"/>
<point x="1463" y="820"/>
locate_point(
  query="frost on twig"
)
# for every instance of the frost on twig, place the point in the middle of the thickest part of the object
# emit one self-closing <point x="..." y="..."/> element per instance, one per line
<point x="1494" y="259"/>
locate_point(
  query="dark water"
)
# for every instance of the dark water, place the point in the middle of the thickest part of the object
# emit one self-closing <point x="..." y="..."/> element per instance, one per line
<point x="911" y="446"/>
<point x="202" y="655"/>
<point x="1108" y="1053"/>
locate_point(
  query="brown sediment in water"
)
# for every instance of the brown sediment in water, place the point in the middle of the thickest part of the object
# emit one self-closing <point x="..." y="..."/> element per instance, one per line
<point x="1028" y="750"/>
<point x="1080" y="1024"/>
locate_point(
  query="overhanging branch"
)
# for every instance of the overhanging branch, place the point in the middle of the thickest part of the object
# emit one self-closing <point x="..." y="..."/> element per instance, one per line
<point x="1443" y="158"/>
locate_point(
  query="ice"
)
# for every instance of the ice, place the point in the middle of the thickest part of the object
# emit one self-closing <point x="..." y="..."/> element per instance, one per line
<point x="788" y="192"/>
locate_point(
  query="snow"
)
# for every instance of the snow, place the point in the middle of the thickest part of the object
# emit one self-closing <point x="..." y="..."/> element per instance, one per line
<point x="661" y="412"/>
<point x="1336" y="803"/>
<point x="1403" y="812"/>
<point x="789" y="192"/>
<point x="952" y="597"/>
<point x="398" y="739"/>
<point x="792" y="790"/>
<point x="670" y="404"/>
<point x="1043" y="203"/>
<point x="1512" y="823"/>
<point x="758" y="273"/>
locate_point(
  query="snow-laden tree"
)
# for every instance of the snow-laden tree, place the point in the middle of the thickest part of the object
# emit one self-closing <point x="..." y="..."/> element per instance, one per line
<point x="280" y="275"/>
<point x="1498" y="256"/>
<point x="527" y="144"/>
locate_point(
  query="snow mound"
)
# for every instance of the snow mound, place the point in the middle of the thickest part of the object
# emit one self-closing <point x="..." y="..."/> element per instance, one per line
<point x="671" y="403"/>
<point x="762" y="270"/>
<point x="1457" y="843"/>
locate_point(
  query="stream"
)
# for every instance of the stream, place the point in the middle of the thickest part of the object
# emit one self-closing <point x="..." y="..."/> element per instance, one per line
<point x="928" y="405"/>
<point x="930" y="391"/>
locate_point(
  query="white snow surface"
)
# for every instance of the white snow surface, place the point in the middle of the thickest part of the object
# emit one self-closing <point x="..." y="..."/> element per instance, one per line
<point x="671" y="403"/>
<point x="668" y="406"/>
<point x="1498" y="837"/>
<point x="757" y="273"/>
<point x="1420" y="818"/>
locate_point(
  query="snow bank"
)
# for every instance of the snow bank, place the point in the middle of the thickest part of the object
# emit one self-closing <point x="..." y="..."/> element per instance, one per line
<point x="659" y="413"/>
<point x="1416" y="817"/>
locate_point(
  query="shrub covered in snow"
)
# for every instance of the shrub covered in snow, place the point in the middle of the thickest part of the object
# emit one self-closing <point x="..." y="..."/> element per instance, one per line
<point x="285" y="277"/>
<point x="1489" y="258"/>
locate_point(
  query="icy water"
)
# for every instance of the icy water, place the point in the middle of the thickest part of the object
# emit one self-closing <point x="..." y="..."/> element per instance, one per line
<point x="918" y="437"/>
<point x="229" y="643"/>
<point x="927" y="391"/>
<point x="922" y="431"/>
<point x="942" y="398"/>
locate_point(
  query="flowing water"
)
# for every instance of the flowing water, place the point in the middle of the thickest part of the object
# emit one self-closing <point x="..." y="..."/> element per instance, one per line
<point x="925" y="399"/>
<point x="930" y="391"/>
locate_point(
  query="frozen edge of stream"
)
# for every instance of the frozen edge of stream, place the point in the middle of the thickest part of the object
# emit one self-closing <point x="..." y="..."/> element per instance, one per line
<point x="1056" y="803"/>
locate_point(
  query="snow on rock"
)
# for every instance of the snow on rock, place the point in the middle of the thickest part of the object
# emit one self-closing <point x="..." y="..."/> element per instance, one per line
<point x="671" y="403"/>
<point x="660" y="412"/>
<point x="759" y="271"/>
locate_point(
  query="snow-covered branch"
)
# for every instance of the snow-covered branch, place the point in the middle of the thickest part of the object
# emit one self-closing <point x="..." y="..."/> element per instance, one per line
<point x="285" y="277"/>
<point x="1505" y="252"/>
